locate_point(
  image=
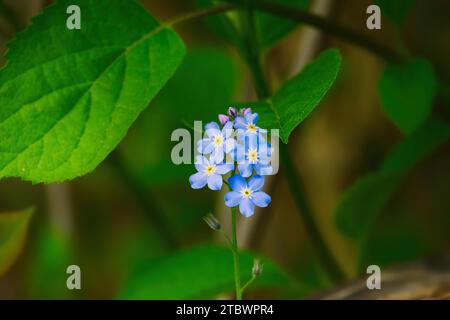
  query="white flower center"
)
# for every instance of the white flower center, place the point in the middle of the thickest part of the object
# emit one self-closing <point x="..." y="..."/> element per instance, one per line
<point x="218" y="140"/>
<point x="251" y="128"/>
<point x="246" y="193"/>
<point x="210" y="169"/>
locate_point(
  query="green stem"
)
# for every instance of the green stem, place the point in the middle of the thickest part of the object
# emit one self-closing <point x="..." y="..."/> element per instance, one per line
<point x="249" y="282"/>
<point x="237" y="276"/>
<point x="295" y="185"/>
<point x="329" y="27"/>
<point x="263" y="90"/>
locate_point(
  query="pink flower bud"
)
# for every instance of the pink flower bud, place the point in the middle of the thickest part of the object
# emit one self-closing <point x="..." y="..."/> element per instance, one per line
<point x="232" y="112"/>
<point x="245" y="111"/>
<point x="223" y="119"/>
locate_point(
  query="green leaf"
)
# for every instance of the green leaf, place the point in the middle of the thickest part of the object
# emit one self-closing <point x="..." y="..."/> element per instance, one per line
<point x="407" y="93"/>
<point x="13" y="231"/>
<point x="396" y="10"/>
<point x="299" y="96"/>
<point x="68" y="97"/>
<point x="198" y="273"/>
<point x="269" y="28"/>
<point x="364" y="200"/>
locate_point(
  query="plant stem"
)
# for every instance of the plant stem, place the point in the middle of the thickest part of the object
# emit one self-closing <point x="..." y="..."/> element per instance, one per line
<point x="325" y="255"/>
<point x="320" y="23"/>
<point x="147" y="201"/>
<point x="263" y="91"/>
<point x="237" y="276"/>
<point x="200" y="13"/>
<point x="249" y="282"/>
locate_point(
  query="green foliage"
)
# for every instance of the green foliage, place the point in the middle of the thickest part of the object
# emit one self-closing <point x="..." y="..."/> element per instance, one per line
<point x="269" y="28"/>
<point x="393" y="242"/>
<point x="396" y="10"/>
<point x="46" y="277"/>
<point x="364" y="200"/>
<point x="13" y="231"/>
<point x="407" y="93"/>
<point x="68" y="97"/>
<point x="198" y="273"/>
<point x="299" y="96"/>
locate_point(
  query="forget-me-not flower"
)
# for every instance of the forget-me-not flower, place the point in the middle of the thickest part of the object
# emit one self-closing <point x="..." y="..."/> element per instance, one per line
<point x="209" y="172"/>
<point x="253" y="154"/>
<point x="218" y="142"/>
<point x="246" y="194"/>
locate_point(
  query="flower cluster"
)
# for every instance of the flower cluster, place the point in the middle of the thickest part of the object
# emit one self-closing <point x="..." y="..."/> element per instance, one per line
<point x="239" y="147"/>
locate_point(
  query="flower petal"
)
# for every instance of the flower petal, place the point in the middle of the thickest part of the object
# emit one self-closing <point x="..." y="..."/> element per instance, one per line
<point x="217" y="155"/>
<point x="215" y="182"/>
<point x="201" y="163"/>
<point x="256" y="183"/>
<point x="223" y="119"/>
<point x="263" y="170"/>
<point x="205" y="146"/>
<point x="245" y="169"/>
<point x="229" y="145"/>
<point x="251" y="118"/>
<point x="240" y="123"/>
<point x="212" y="129"/>
<point x="237" y="182"/>
<point x="198" y="180"/>
<point x="227" y="129"/>
<point x="232" y="198"/>
<point x="246" y="207"/>
<point x="261" y="199"/>
<point x="224" y="168"/>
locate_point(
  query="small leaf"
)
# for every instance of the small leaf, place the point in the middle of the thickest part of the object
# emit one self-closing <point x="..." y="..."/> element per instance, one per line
<point x="299" y="96"/>
<point x="13" y="231"/>
<point x="396" y="10"/>
<point x="407" y="93"/>
<point x="198" y="273"/>
<point x="364" y="200"/>
<point x="68" y="97"/>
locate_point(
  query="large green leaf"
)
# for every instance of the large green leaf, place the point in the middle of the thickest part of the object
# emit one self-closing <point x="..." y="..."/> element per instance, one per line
<point x="269" y="28"/>
<point x="200" y="272"/>
<point x="68" y="97"/>
<point x="396" y="10"/>
<point x="364" y="200"/>
<point x="13" y="231"/>
<point x="407" y="93"/>
<point x="299" y="96"/>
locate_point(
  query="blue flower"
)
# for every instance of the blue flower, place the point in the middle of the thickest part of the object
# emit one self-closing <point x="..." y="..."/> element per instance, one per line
<point x="253" y="154"/>
<point x="246" y="194"/>
<point x="209" y="172"/>
<point x="246" y="124"/>
<point x="218" y="141"/>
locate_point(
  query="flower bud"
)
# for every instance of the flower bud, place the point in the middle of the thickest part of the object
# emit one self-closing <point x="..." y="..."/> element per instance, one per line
<point x="257" y="268"/>
<point x="232" y="112"/>
<point x="223" y="119"/>
<point x="244" y="111"/>
<point x="212" y="222"/>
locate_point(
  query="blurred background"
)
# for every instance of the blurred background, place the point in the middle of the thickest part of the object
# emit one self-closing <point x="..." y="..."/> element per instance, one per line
<point x="126" y="223"/>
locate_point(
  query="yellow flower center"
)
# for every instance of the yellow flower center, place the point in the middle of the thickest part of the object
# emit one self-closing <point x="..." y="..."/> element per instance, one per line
<point x="252" y="155"/>
<point x="246" y="193"/>
<point x="210" y="169"/>
<point x="251" y="127"/>
<point x="218" y="140"/>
